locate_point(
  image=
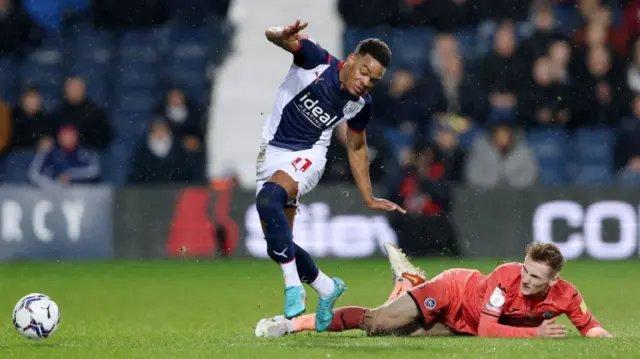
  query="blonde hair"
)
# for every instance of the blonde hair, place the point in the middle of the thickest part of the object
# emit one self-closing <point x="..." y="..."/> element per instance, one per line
<point x="547" y="253"/>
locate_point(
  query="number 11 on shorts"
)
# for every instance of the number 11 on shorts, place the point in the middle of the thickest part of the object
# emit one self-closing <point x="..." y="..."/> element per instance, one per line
<point x="301" y="164"/>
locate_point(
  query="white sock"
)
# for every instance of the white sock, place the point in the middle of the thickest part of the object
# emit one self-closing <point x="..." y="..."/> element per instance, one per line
<point x="290" y="273"/>
<point x="323" y="285"/>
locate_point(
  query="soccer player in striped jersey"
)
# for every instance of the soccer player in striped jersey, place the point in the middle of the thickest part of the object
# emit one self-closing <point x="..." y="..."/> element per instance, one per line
<point x="318" y="93"/>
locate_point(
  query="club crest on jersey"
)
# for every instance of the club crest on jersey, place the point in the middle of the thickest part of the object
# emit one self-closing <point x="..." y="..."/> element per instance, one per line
<point x="318" y="116"/>
<point x="430" y="303"/>
<point x="548" y="315"/>
<point x="497" y="298"/>
<point x="351" y="109"/>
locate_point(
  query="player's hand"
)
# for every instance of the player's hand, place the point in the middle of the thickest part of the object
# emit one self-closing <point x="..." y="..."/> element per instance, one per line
<point x="292" y="32"/>
<point x="384" y="205"/>
<point x="598" y="332"/>
<point x="549" y="329"/>
<point x="288" y="33"/>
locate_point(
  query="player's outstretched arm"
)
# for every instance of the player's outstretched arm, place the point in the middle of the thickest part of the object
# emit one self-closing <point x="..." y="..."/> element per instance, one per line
<point x="287" y="37"/>
<point x="358" y="155"/>
<point x="582" y="318"/>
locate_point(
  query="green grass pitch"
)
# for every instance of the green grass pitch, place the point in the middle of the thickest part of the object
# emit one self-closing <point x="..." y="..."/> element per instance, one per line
<point x="208" y="309"/>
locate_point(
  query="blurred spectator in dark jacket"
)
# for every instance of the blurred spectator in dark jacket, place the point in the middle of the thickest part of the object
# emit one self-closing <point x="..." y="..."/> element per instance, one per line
<point x="18" y="33"/>
<point x="500" y="74"/>
<point x="424" y="191"/>
<point x="66" y="163"/>
<point x="560" y="59"/>
<point x="448" y="140"/>
<point x="602" y="94"/>
<point x="6" y="129"/>
<point x="90" y="119"/>
<point x="31" y="127"/>
<point x="445" y="87"/>
<point x="458" y="91"/>
<point x="184" y="119"/>
<point x="538" y="44"/>
<point x="541" y="101"/>
<point x="501" y="157"/>
<point x="162" y="159"/>
<point x="382" y="161"/>
<point x="424" y="185"/>
<point x="627" y="144"/>
<point x="601" y="18"/>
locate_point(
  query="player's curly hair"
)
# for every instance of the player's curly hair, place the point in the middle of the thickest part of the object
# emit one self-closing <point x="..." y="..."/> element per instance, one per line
<point x="547" y="253"/>
<point x="377" y="48"/>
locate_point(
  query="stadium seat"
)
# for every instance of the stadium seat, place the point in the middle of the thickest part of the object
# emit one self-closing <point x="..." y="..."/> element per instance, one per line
<point x="51" y="98"/>
<point x="17" y="166"/>
<point x="594" y="146"/>
<point x="44" y="65"/>
<point x="9" y="79"/>
<point x="550" y="175"/>
<point x="91" y="59"/>
<point x="593" y="175"/>
<point x="549" y="147"/>
<point x="468" y="40"/>
<point x="133" y="124"/>
<point x="352" y="36"/>
<point x="140" y="46"/>
<point x="135" y="100"/>
<point x="186" y="63"/>
<point x="629" y="179"/>
<point x="136" y="76"/>
<point x="117" y="161"/>
<point x="397" y="140"/>
<point x="2" y="169"/>
<point x="406" y="53"/>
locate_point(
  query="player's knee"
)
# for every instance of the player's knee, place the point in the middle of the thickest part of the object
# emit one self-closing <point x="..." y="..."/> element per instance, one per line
<point x="376" y="322"/>
<point x="272" y="197"/>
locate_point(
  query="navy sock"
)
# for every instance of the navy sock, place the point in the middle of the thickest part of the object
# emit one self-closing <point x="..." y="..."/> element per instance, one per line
<point x="307" y="269"/>
<point x="270" y="204"/>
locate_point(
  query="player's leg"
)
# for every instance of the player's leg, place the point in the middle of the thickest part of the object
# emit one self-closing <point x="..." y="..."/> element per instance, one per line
<point x="346" y="318"/>
<point x="271" y="200"/>
<point x="387" y="319"/>
<point x="405" y="274"/>
<point x="328" y="289"/>
<point x="307" y="269"/>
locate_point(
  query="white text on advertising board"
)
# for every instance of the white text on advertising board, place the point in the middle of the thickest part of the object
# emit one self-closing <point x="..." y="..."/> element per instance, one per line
<point x="14" y="219"/>
<point x="320" y="234"/>
<point x="587" y="222"/>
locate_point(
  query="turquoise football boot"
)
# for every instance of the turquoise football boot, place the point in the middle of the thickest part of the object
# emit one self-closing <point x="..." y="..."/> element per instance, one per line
<point x="324" y="313"/>
<point x="294" y="301"/>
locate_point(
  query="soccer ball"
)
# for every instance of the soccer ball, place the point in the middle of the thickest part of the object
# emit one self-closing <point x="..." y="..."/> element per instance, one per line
<point x="36" y="316"/>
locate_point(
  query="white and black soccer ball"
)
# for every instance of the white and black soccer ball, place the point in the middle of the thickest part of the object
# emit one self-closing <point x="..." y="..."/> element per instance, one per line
<point x="36" y="316"/>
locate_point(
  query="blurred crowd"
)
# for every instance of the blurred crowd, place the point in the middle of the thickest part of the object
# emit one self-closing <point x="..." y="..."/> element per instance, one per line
<point x="481" y="93"/>
<point x="106" y="90"/>
<point x="500" y="93"/>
